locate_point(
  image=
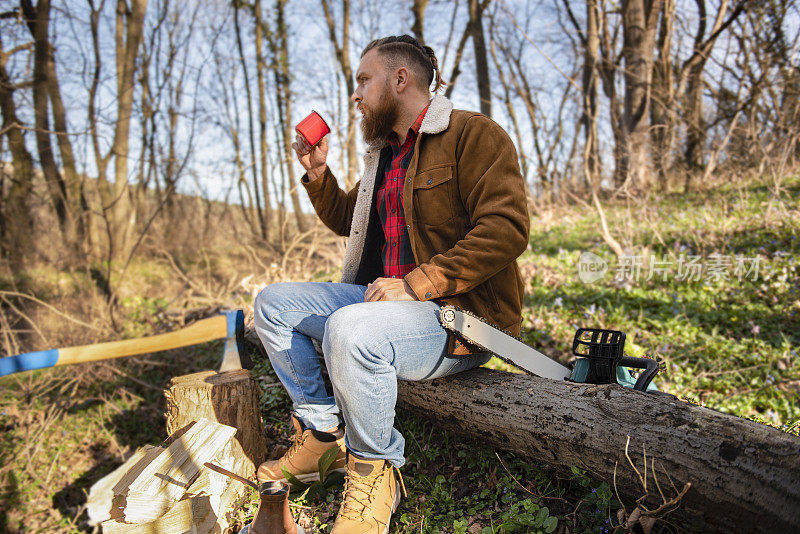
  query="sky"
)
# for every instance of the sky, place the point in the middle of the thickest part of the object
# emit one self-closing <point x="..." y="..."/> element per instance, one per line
<point x="208" y="58"/>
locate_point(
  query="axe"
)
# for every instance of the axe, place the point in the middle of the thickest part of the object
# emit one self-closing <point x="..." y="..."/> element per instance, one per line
<point x="228" y="325"/>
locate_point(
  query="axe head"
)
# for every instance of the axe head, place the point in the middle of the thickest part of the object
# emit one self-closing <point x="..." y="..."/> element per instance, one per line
<point x="234" y="356"/>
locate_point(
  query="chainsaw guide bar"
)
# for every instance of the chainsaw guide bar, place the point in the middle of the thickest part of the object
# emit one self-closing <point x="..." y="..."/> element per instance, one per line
<point x="502" y="344"/>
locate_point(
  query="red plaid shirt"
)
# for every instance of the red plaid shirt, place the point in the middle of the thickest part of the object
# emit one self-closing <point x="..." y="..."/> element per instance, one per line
<point x="398" y="258"/>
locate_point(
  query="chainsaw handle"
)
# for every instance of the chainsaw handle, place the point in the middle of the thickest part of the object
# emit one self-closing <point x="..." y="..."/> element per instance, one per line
<point x="650" y="369"/>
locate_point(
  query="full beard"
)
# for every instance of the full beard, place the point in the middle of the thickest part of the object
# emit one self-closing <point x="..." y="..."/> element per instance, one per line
<point x="377" y="124"/>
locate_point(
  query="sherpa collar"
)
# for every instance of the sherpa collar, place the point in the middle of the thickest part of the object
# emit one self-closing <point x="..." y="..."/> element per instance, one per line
<point x="436" y="119"/>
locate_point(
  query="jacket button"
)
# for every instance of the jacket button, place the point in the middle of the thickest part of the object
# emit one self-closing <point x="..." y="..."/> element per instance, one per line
<point x="430" y="181"/>
<point x="428" y="295"/>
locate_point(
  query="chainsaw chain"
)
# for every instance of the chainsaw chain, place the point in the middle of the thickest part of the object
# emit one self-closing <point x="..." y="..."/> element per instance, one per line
<point x="448" y="326"/>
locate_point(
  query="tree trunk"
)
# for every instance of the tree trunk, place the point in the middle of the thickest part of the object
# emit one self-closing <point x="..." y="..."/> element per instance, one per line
<point x="639" y="31"/>
<point x="692" y="79"/>
<point x="451" y="81"/>
<point x="342" y="51"/>
<point x="662" y="121"/>
<point x="74" y="185"/>
<point x="741" y="473"/>
<point x="284" y="95"/>
<point x="259" y="210"/>
<point x="591" y="48"/>
<point x="609" y="64"/>
<point x="38" y="20"/>
<point x="227" y="398"/>
<point x="261" y="70"/>
<point x="476" y="9"/>
<point x="128" y="36"/>
<point x="417" y="27"/>
<point x="15" y="215"/>
<point x="523" y="159"/>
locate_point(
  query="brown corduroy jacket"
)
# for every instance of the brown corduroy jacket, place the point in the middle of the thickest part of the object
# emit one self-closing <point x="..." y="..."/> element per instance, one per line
<point x="466" y="214"/>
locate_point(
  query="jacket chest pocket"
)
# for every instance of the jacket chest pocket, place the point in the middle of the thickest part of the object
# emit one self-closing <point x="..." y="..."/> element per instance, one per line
<point x="434" y="192"/>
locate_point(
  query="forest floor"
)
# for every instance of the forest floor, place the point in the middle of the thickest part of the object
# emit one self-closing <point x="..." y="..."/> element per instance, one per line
<point x="726" y="332"/>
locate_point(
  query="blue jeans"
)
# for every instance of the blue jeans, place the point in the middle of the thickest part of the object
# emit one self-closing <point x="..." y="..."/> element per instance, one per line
<point x="368" y="347"/>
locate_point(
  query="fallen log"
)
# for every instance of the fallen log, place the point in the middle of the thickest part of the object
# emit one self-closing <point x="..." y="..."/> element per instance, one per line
<point x="744" y="476"/>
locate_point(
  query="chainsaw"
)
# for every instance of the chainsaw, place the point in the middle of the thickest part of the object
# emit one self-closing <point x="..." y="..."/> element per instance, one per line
<point x="599" y="352"/>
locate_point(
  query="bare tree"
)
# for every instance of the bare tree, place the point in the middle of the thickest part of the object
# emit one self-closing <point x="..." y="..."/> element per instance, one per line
<point x="261" y="72"/>
<point x="15" y="216"/>
<point x="262" y="222"/>
<point x="476" y="10"/>
<point x="590" y="44"/>
<point x="279" y="43"/>
<point x="120" y="217"/>
<point x="662" y="114"/>
<point x="341" y="49"/>
<point x="691" y="82"/>
<point x="38" y="21"/>
<point x="417" y="27"/>
<point x="639" y="22"/>
<point x="474" y="30"/>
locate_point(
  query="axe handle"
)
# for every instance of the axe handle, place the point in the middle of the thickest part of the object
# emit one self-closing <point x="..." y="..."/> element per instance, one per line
<point x="198" y="332"/>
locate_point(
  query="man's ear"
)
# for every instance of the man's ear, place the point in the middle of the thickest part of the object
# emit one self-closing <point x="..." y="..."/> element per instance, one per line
<point x="401" y="79"/>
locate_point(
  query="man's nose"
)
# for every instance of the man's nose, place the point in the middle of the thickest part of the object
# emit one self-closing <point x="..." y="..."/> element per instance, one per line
<point x="355" y="97"/>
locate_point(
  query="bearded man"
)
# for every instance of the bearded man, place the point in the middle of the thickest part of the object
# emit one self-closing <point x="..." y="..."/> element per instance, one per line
<point x="439" y="217"/>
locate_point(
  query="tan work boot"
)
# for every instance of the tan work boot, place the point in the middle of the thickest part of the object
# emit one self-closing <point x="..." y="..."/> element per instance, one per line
<point x="371" y="494"/>
<point x="302" y="458"/>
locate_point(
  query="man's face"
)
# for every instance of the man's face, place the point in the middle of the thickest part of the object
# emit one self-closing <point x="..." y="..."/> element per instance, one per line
<point x="375" y="99"/>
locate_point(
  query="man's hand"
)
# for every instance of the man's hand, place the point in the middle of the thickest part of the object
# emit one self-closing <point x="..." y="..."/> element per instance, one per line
<point x="389" y="289"/>
<point x="312" y="158"/>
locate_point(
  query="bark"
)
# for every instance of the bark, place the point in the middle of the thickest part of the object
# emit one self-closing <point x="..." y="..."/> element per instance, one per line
<point x="474" y="30"/>
<point x="261" y="70"/>
<point x="609" y="65"/>
<point x="229" y="398"/>
<point x="639" y="32"/>
<point x="692" y="79"/>
<point x="342" y="52"/>
<point x="38" y="21"/>
<point x="589" y="81"/>
<point x="74" y="183"/>
<point x="285" y="97"/>
<point x="662" y="120"/>
<point x="476" y="9"/>
<point x="101" y="160"/>
<point x="15" y="216"/>
<point x="259" y="210"/>
<point x="590" y="42"/>
<point x="128" y="36"/>
<point x="417" y="27"/>
<point x="742" y="473"/>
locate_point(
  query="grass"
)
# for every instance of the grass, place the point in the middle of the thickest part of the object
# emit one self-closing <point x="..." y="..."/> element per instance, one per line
<point x="724" y="342"/>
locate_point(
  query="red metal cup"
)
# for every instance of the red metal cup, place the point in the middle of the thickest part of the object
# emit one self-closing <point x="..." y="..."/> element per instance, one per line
<point x="313" y="128"/>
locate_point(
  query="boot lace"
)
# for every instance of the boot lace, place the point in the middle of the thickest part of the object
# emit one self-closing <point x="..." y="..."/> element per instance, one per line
<point x="299" y="439"/>
<point x="358" y="493"/>
<point x="360" y="490"/>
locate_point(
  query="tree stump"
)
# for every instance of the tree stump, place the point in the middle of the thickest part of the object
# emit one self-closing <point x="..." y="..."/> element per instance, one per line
<point x="230" y="398"/>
